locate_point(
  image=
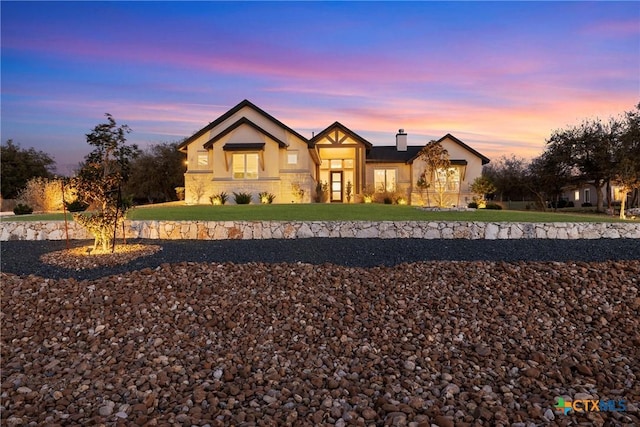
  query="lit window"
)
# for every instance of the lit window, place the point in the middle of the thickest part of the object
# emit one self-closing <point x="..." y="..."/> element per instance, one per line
<point x="447" y="179"/>
<point x="292" y="158"/>
<point x="576" y="195"/>
<point x="245" y="166"/>
<point x="348" y="163"/>
<point x="336" y="164"/>
<point x="384" y="180"/>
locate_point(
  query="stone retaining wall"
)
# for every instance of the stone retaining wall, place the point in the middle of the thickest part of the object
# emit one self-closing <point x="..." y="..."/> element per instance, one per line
<point x="221" y="230"/>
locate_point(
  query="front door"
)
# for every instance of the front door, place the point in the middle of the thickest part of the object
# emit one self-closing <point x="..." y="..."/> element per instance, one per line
<point x="336" y="186"/>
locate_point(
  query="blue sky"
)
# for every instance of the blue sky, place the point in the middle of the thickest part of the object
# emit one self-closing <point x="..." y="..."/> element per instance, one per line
<point x="501" y="76"/>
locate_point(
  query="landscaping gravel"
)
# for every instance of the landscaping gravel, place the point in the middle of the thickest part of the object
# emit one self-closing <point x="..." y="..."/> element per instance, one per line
<point x="22" y="257"/>
<point x="324" y="332"/>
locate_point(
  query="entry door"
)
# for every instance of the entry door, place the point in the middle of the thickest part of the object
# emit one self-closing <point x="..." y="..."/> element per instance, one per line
<point x="336" y="186"/>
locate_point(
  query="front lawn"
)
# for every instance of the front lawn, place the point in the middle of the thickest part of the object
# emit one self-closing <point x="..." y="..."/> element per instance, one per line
<point x="329" y="212"/>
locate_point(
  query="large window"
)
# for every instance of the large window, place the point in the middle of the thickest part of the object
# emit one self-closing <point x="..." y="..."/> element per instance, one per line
<point x="245" y="166"/>
<point x="385" y="180"/>
<point x="447" y="180"/>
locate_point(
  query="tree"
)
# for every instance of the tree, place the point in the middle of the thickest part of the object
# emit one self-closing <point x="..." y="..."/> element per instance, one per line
<point x="546" y="176"/>
<point x="437" y="171"/>
<point x="156" y="173"/>
<point x="99" y="181"/>
<point x="627" y="157"/>
<point x="588" y="150"/>
<point x="509" y="175"/>
<point x="482" y="186"/>
<point x="19" y="166"/>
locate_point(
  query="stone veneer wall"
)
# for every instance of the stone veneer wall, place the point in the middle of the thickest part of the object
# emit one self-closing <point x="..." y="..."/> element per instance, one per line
<point x="220" y="230"/>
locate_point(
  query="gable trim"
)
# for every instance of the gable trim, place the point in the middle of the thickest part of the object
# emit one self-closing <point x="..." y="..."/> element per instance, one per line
<point x="230" y="113"/>
<point x="348" y="132"/>
<point x="484" y="159"/>
<point x="237" y="124"/>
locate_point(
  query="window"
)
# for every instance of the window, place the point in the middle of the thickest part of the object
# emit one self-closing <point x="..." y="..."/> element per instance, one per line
<point x="384" y="180"/>
<point x="576" y="195"/>
<point x="447" y="179"/>
<point x="587" y="196"/>
<point x="203" y="159"/>
<point x="292" y="158"/>
<point x="245" y="166"/>
<point x="336" y="164"/>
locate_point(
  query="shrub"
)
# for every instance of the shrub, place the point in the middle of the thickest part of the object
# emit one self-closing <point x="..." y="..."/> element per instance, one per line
<point x="473" y="205"/>
<point x="322" y="192"/>
<point x="242" y="198"/>
<point x="570" y="205"/>
<point x="21" y="209"/>
<point x="76" y="206"/>
<point x="401" y="200"/>
<point x="44" y="194"/>
<point x="266" y="198"/>
<point x="349" y="191"/>
<point x="219" y="199"/>
<point x="368" y="195"/>
<point x="587" y="205"/>
<point x="180" y="193"/>
<point x="387" y="199"/>
<point x="494" y="206"/>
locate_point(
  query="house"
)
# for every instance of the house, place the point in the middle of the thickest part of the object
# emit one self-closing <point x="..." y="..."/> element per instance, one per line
<point x="248" y="150"/>
<point x="585" y="194"/>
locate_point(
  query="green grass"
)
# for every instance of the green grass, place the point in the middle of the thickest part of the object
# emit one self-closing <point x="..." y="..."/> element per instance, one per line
<point x="330" y="212"/>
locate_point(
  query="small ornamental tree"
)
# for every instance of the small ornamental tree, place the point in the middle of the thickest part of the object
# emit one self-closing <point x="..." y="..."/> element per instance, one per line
<point x="482" y="186"/>
<point x="437" y="170"/>
<point x="100" y="180"/>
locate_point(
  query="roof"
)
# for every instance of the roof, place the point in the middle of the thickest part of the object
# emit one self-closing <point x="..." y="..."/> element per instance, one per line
<point x="237" y="124"/>
<point x="244" y="147"/>
<point x="230" y="113"/>
<point x="326" y="132"/>
<point x="390" y="154"/>
<point x="484" y="159"/>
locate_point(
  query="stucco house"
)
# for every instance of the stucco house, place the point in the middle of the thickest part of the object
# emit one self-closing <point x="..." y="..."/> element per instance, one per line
<point x="248" y="150"/>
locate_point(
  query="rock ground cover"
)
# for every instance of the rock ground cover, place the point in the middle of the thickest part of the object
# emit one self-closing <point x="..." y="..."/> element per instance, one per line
<point x="434" y="342"/>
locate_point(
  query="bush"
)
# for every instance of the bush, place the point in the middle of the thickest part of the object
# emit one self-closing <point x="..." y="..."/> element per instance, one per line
<point x="219" y="199"/>
<point x="44" y="194"/>
<point x="21" y="209"/>
<point x="266" y="198"/>
<point x="322" y="192"/>
<point x="76" y="206"/>
<point x="473" y="205"/>
<point x="388" y="200"/>
<point x="587" y="205"/>
<point x="493" y="206"/>
<point x="570" y="205"/>
<point x="242" y="198"/>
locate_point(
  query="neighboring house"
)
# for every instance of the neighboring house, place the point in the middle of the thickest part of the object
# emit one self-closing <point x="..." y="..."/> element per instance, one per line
<point x="248" y="150"/>
<point x="586" y="193"/>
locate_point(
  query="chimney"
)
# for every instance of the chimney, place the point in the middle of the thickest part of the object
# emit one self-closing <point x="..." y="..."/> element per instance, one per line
<point x="401" y="140"/>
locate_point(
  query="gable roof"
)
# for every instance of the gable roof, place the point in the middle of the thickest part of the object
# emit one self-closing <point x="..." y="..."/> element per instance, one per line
<point x="237" y="124"/>
<point x="345" y="130"/>
<point x="484" y="159"/>
<point x="230" y="113"/>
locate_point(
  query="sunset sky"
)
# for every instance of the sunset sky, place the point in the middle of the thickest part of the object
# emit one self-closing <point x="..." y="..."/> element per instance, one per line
<point x="500" y="76"/>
